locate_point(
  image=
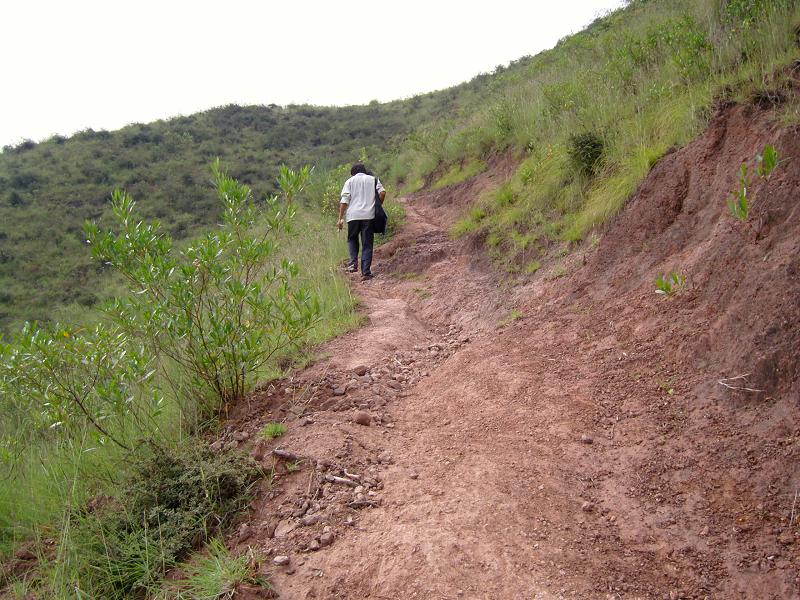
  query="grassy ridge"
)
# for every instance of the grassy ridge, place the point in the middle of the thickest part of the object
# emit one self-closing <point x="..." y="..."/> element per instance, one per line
<point x="635" y="84"/>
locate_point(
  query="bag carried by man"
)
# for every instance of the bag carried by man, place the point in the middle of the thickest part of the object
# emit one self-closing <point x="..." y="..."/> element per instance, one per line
<point x="381" y="218"/>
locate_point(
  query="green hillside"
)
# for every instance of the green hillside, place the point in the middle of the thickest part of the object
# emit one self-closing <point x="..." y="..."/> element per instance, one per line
<point x="587" y="120"/>
<point x="48" y="190"/>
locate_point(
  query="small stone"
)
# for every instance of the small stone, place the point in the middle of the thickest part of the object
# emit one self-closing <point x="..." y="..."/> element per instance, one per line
<point x="309" y="520"/>
<point x="241" y="436"/>
<point x="281" y="560"/>
<point x="704" y="531"/>
<point x="361" y="370"/>
<point x="340" y="391"/>
<point x="245" y="532"/>
<point x="217" y="446"/>
<point x="326" y="539"/>
<point x="394" y="384"/>
<point x="314" y="545"/>
<point x="413" y="475"/>
<point x="587" y="507"/>
<point x="258" y="451"/>
<point x="306" y="421"/>
<point x="786" y="538"/>
<point x="385" y="457"/>
<point x="587" y="439"/>
<point x="362" y="418"/>
<point x="284" y="528"/>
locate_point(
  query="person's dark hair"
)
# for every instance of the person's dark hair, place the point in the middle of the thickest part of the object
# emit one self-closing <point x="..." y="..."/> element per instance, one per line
<point x="358" y="168"/>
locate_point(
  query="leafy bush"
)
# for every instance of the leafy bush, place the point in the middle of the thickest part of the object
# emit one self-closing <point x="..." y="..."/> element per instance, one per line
<point x="585" y="151"/>
<point x="55" y="380"/>
<point x="221" y="309"/>
<point x="767" y="161"/>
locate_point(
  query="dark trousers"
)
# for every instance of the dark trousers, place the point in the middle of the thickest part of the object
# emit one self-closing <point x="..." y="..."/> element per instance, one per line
<point x="364" y="229"/>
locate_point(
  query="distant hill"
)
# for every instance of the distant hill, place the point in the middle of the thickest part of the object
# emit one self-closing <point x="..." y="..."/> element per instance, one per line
<point x="48" y="189"/>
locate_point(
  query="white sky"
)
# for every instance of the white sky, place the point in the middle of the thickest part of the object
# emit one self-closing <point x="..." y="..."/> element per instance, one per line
<point x="72" y="64"/>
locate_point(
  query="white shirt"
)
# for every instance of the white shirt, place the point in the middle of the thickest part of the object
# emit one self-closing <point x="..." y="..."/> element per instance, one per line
<point x="358" y="194"/>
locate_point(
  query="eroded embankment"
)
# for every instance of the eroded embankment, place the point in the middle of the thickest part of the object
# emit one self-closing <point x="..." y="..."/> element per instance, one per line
<point x="580" y="447"/>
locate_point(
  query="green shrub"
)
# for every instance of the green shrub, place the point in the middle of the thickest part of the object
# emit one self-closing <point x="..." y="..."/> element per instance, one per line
<point x="223" y="308"/>
<point x="585" y="151"/>
<point x="58" y="382"/>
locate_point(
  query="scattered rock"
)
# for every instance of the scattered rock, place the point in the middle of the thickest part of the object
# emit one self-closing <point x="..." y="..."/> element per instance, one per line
<point x="284" y="528"/>
<point x="587" y="439"/>
<point x="587" y="507"/>
<point x="310" y="520"/>
<point x="326" y="539"/>
<point x="786" y="538"/>
<point x="385" y="457"/>
<point x="361" y="370"/>
<point x="281" y="560"/>
<point x="217" y="446"/>
<point x="259" y="450"/>
<point x="245" y="532"/>
<point x="314" y="545"/>
<point x="413" y="475"/>
<point x="241" y="436"/>
<point x="306" y="421"/>
<point x="340" y="391"/>
<point x="394" y="384"/>
<point x="704" y="531"/>
<point x="362" y="418"/>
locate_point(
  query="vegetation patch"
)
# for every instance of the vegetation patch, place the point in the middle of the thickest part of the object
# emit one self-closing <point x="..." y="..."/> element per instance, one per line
<point x="173" y="500"/>
<point x="459" y="173"/>
<point x="669" y="284"/>
<point x="596" y="113"/>
<point x="274" y="430"/>
<point x="215" y="575"/>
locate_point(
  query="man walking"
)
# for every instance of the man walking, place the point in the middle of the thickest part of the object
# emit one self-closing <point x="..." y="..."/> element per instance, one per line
<point x="358" y="205"/>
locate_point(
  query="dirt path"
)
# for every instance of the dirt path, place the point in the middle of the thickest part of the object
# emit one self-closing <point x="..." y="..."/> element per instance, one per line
<point x="522" y="443"/>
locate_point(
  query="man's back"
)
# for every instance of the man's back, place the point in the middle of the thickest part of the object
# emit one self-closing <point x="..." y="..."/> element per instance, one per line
<point x="359" y="194"/>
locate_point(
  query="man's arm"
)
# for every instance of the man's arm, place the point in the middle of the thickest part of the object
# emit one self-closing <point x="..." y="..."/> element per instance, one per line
<point x="342" y="210"/>
<point x="382" y="195"/>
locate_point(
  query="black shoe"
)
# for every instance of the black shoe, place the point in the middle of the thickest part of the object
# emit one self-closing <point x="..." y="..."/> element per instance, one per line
<point x="351" y="269"/>
<point x="367" y="277"/>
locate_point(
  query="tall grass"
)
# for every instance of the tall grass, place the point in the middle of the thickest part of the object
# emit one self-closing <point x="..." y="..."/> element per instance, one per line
<point x="643" y="79"/>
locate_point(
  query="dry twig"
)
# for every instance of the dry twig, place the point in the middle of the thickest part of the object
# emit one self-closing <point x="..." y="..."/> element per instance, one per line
<point x="724" y="382"/>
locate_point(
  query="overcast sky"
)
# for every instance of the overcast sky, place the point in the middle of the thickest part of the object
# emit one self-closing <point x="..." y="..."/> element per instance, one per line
<point x="72" y="64"/>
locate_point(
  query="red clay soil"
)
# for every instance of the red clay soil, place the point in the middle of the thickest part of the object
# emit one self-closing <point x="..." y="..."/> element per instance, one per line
<point x="566" y="438"/>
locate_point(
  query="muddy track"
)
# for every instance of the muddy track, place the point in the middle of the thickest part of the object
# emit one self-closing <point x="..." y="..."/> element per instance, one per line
<point x="539" y="441"/>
